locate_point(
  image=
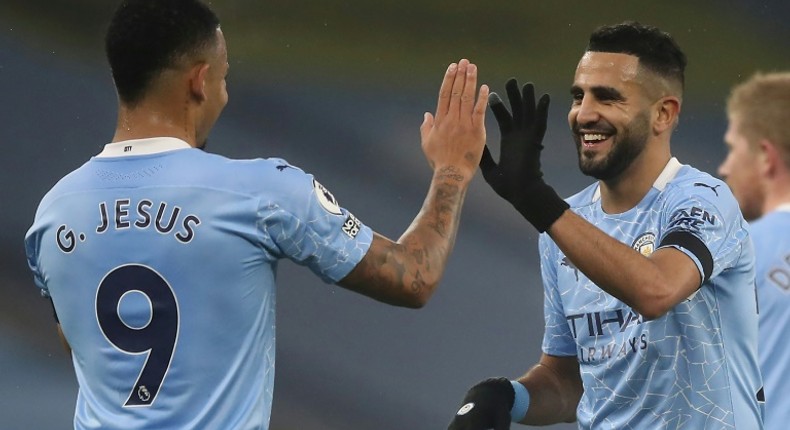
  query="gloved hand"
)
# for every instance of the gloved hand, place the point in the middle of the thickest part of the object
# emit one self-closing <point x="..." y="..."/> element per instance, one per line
<point x="517" y="177"/>
<point x="486" y="405"/>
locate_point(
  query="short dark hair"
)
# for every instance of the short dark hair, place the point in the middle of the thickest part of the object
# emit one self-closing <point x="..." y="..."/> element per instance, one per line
<point x="145" y="37"/>
<point x="657" y="50"/>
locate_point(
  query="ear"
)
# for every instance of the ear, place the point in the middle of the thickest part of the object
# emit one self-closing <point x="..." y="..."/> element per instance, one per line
<point x="197" y="81"/>
<point x="770" y="158"/>
<point x="666" y="114"/>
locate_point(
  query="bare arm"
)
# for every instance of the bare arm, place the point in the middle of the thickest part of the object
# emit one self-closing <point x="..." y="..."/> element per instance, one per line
<point x="651" y="285"/>
<point x="407" y="271"/>
<point x="555" y="388"/>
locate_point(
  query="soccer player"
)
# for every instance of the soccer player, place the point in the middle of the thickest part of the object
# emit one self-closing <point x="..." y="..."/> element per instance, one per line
<point x="650" y="311"/>
<point x="757" y="169"/>
<point x="160" y="259"/>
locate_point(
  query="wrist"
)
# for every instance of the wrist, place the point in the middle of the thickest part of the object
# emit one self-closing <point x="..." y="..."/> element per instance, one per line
<point x="452" y="174"/>
<point x="520" y="402"/>
<point x="540" y="205"/>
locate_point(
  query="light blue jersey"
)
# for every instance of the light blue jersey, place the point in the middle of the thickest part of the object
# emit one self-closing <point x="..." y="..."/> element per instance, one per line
<point x="160" y="260"/>
<point x="694" y="368"/>
<point x="771" y="235"/>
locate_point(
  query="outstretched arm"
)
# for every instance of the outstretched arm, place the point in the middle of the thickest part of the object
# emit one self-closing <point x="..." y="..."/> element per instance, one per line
<point x="407" y="271"/>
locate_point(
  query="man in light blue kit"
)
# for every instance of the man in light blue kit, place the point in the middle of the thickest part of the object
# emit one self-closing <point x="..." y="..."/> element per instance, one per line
<point x="757" y="169"/>
<point x="650" y="310"/>
<point x="160" y="259"/>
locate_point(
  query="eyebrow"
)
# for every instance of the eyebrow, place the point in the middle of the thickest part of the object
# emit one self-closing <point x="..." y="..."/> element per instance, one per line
<point x="601" y="92"/>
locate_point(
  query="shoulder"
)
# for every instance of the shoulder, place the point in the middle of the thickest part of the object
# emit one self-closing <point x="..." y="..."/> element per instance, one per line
<point x="692" y="187"/>
<point x="252" y="166"/>
<point x="698" y="203"/>
<point x="692" y="181"/>
<point x="71" y="183"/>
<point x="251" y="175"/>
<point x="277" y="183"/>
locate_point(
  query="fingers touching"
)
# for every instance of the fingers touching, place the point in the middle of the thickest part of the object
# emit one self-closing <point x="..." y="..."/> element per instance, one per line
<point x="445" y="90"/>
<point x="462" y="75"/>
<point x="455" y="135"/>
<point x="457" y="93"/>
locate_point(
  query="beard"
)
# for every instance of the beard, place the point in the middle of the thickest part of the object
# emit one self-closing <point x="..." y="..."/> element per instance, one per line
<point x="626" y="146"/>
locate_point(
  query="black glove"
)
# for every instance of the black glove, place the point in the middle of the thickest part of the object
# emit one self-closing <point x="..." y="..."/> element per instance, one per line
<point x="487" y="405"/>
<point x="517" y="177"/>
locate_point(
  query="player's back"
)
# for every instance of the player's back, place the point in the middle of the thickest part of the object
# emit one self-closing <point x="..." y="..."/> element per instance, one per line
<point x="163" y="283"/>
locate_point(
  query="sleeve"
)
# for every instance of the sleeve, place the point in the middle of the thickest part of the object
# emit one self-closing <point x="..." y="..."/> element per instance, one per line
<point x="709" y="229"/>
<point x="305" y="224"/>
<point x="557" y="337"/>
<point x="33" y="242"/>
<point x="32" y="252"/>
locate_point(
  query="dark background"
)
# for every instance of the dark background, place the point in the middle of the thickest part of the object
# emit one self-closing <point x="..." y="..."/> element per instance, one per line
<point x="339" y="89"/>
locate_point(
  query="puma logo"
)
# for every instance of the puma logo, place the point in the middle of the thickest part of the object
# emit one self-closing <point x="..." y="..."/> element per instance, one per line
<point x="712" y="188"/>
<point x="283" y="167"/>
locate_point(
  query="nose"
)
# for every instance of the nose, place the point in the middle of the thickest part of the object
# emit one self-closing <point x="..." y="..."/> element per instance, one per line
<point x="586" y="111"/>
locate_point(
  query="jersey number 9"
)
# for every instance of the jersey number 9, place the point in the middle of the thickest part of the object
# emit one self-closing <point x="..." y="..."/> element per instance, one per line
<point x="157" y="336"/>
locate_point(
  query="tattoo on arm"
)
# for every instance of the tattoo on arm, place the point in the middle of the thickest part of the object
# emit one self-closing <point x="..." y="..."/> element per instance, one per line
<point x="445" y="209"/>
<point x="407" y="271"/>
<point x="450" y="172"/>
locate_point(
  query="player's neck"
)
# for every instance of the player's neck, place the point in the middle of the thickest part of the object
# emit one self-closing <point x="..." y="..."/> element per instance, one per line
<point x="776" y="198"/>
<point x="776" y="188"/>
<point x="150" y="119"/>
<point x="622" y="193"/>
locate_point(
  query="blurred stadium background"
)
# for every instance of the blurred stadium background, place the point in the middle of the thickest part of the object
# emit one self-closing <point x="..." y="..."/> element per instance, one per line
<point x="339" y="89"/>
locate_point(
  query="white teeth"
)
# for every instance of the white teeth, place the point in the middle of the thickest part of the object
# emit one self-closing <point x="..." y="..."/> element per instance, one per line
<point x="593" y="137"/>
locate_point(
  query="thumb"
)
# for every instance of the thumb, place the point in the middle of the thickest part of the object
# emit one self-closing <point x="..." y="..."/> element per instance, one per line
<point x="491" y="172"/>
<point x="487" y="163"/>
<point x="427" y="125"/>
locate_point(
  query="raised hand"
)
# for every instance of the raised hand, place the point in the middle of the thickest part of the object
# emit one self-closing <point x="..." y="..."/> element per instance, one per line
<point x="518" y="177"/>
<point x="453" y="138"/>
<point x="521" y="140"/>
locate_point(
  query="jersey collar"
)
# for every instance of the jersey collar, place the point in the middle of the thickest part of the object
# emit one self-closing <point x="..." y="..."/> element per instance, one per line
<point x="784" y="207"/>
<point x="669" y="173"/>
<point x="148" y="146"/>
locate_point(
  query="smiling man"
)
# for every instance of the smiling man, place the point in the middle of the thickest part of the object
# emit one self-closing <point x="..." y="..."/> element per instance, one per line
<point x="650" y="311"/>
